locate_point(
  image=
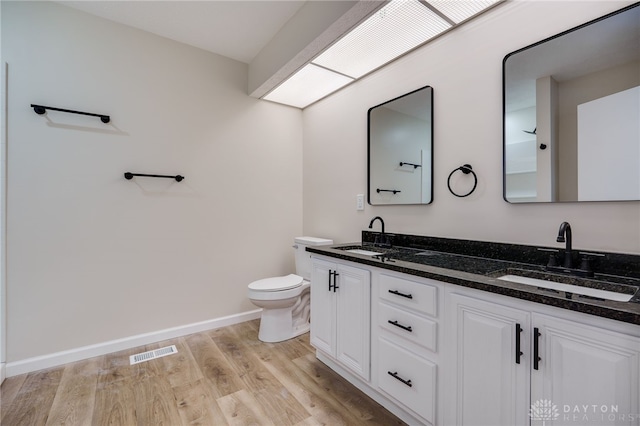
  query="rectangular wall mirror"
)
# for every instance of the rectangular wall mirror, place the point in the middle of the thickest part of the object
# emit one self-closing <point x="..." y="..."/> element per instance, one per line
<point x="400" y="166"/>
<point x="572" y="114"/>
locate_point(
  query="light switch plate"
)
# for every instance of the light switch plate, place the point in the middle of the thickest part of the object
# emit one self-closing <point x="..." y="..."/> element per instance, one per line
<point x="360" y="202"/>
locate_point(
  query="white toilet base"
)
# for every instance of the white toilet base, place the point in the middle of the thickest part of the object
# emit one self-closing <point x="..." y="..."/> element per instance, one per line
<point x="276" y="325"/>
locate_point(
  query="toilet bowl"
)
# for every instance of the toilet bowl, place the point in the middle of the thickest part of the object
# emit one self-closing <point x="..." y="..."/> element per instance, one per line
<point x="285" y="300"/>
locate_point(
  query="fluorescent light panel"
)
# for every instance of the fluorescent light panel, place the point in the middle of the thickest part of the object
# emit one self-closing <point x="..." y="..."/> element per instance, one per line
<point x="308" y="85"/>
<point x="461" y="10"/>
<point x="395" y="29"/>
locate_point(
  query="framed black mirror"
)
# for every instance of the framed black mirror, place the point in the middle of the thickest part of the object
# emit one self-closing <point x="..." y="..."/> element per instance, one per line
<point x="572" y="114"/>
<point x="400" y="150"/>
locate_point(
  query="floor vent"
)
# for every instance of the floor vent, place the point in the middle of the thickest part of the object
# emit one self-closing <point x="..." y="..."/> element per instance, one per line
<point x="158" y="353"/>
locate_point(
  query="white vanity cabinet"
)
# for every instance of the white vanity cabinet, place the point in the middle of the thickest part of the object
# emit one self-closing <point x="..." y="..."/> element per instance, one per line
<point x="518" y="363"/>
<point x="591" y="374"/>
<point x="435" y="353"/>
<point x="490" y="382"/>
<point x="341" y="314"/>
<point x="406" y="356"/>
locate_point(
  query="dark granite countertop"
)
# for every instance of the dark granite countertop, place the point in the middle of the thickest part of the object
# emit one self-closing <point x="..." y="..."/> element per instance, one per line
<point x="477" y="264"/>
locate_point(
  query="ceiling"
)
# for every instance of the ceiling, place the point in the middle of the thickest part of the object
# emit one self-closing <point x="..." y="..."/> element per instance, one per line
<point x="237" y="29"/>
<point x="278" y="38"/>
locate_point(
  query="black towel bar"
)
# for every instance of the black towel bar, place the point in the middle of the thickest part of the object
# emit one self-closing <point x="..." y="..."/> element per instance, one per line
<point x="129" y="176"/>
<point x="395" y="191"/>
<point x="415" y="166"/>
<point x="41" y="109"/>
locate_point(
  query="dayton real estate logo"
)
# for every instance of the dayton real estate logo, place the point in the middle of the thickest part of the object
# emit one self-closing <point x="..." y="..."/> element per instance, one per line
<point x="543" y="410"/>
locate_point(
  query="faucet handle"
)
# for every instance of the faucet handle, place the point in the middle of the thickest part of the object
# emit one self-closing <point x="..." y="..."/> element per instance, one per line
<point x="553" y="259"/>
<point x="586" y="258"/>
<point x="585" y="264"/>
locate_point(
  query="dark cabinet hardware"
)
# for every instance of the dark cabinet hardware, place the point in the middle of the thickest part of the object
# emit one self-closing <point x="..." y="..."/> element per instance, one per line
<point x="519" y="352"/>
<point x="395" y="376"/>
<point x="333" y="286"/>
<point x="41" y="109"/>
<point x="129" y="176"/>
<point x="397" y="293"/>
<point x="536" y="348"/>
<point x="404" y="327"/>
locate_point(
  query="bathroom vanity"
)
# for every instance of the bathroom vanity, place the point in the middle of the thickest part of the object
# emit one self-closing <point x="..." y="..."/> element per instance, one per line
<point x="431" y="330"/>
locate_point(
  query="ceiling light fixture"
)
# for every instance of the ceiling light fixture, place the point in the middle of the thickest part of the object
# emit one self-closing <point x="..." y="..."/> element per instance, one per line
<point x="307" y="86"/>
<point x="393" y="30"/>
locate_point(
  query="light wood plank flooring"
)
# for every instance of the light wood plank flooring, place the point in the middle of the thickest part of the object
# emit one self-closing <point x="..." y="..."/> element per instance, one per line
<point x="219" y="377"/>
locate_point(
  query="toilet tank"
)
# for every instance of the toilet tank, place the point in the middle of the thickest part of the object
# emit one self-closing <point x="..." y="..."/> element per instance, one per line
<point x="303" y="257"/>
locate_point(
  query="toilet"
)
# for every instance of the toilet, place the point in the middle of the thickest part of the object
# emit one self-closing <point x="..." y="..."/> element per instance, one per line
<point x="285" y="300"/>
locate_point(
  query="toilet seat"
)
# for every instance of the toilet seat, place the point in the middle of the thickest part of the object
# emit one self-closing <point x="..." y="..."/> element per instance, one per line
<point x="287" y="282"/>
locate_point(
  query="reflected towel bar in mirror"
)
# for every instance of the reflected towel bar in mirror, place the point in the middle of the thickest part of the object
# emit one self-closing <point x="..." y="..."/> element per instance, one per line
<point x="41" y="109"/>
<point x="395" y="191"/>
<point x="129" y="176"/>
<point x="415" y="166"/>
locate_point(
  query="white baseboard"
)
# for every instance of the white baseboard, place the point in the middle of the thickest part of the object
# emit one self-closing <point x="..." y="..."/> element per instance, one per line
<point x="59" y="358"/>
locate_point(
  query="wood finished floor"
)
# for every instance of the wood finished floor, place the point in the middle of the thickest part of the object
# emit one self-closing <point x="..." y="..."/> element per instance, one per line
<point x="219" y="377"/>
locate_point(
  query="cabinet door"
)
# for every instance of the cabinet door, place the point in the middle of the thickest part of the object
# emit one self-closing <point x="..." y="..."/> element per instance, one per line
<point x="353" y="318"/>
<point x="491" y="388"/>
<point x="590" y="375"/>
<point x="323" y="313"/>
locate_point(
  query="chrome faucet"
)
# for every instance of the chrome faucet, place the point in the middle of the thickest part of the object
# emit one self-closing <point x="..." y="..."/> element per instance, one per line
<point x="564" y="235"/>
<point x="381" y="240"/>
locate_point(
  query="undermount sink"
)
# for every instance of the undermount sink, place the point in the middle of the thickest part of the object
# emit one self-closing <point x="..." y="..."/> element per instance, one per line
<point x="364" y="252"/>
<point x="568" y="288"/>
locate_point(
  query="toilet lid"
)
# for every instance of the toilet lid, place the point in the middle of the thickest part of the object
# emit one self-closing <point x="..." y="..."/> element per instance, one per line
<point x="277" y="283"/>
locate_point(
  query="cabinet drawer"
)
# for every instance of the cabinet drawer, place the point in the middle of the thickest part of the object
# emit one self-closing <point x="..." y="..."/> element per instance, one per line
<point x="417" y="329"/>
<point x="408" y="378"/>
<point x="412" y="294"/>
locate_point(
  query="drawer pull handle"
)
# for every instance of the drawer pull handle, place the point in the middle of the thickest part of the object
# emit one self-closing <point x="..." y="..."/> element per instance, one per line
<point x="404" y="327"/>
<point x="395" y="376"/>
<point x="397" y="293"/>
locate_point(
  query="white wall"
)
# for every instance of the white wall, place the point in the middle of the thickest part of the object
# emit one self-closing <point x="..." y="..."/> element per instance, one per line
<point x="93" y="257"/>
<point x="3" y="215"/>
<point x="465" y="69"/>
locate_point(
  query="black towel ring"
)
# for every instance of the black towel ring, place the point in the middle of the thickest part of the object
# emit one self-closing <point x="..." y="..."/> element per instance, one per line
<point x="466" y="169"/>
